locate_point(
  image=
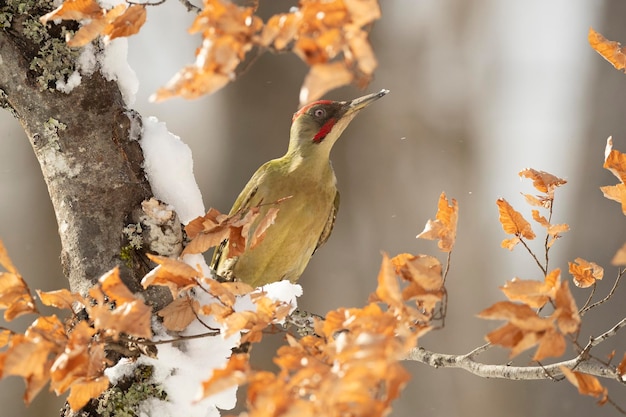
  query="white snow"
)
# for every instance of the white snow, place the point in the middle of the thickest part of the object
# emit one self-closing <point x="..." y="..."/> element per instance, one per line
<point x="72" y="81"/>
<point x="180" y="371"/>
<point x="114" y="67"/>
<point x="168" y="163"/>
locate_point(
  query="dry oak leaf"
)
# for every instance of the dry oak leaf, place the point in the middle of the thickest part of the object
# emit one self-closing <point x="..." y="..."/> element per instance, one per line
<point x="324" y="77"/>
<point x="84" y="390"/>
<point x="513" y="223"/>
<point x="533" y="293"/>
<point x="542" y="181"/>
<point x="30" y="355"/>
<point x="585" y="273"/>
<point x="615" y="161"/>
<point x="444" y="226"/>
<point x="178" y="276"/>
<point x="63" y="298"/>
<point x="586" y="384"/>
<point x="128" y="314"/>
<point x="610" y="50"/>
<point x="121" y="20"/>
<point x="235" y="372"/>
<point x="553" y="230"/>
<point x="566" y="312"/>
<point x="523" y="330"/>
<point x="179" y="313"/>
<point x="14" y="292"/>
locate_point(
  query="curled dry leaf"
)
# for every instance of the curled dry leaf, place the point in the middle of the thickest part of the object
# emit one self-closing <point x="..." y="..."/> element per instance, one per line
<point x="235" y="373"/>
<point x="615" y="161"/>
<point x="586" y="384"/>
<point x="63" y="298"/>
<point x="444" y="226"/>
<point x="553" y="230"/>
<point x="585" y="273"/>
<point x="610" y="50"/>
<point x="533" y="293"/>
<point x="129" y="314"/>
<point x="121" y="20"/>
<point x="178" y="314"/>
<point x="542" y="181"/>
<point x="15" y="295"/>
<point x="513" y="223"/>
<point x="324" y="77"/>
<point x="176" y="275"/>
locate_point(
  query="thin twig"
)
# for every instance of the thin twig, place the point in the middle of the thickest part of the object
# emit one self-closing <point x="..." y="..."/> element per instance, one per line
<point x="533" y="255"/>
<point x="582" y="311"/>
<point x="445" y="273"/>
<point x="609" y="295"/>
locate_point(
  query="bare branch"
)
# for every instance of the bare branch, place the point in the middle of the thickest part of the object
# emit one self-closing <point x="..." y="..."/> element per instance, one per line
<point x="466" y="362"/>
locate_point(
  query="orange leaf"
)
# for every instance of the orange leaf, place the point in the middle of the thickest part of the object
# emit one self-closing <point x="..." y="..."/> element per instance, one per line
<point x="75" y="10"/>
<point x="5" y="260"/>
<point x="236" y="372"/>
<point x="63" y="299"/>
<point x="566" y="311"/>
<point x="513" y="222"/>
<point x="615" y="161"/>
<point x="585" y="273"/>
<point x="83" y="391"/>
<point x="388" y="289"/>
<point x="586" y="384"/>
<point x="610" y="50"/>
<point x="15" y="296"/>
<point x="552" y="344"/>
<point x="176" y="275"/>
<point x="323" y="77"/>
<point x="444" y="227"/>
<point x="542" y="181"/>
<point x="616" y="193"/>
<point x="533" y="293"/>
<point x="127" y="24"/>
<point x="179" y="313"/>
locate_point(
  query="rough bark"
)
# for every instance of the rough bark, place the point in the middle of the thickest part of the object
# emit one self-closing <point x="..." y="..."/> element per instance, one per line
<point x="82" y="140"/>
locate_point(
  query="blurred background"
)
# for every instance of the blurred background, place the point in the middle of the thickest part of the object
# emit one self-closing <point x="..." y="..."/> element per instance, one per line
<point x="479" y="91"/>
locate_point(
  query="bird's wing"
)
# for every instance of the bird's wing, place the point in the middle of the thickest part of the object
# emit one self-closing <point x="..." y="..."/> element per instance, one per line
<point x="243" y="202"/>
<point x="328" y="228"/>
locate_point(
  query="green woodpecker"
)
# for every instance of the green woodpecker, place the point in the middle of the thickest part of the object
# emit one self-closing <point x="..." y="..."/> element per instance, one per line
<point x="304" y="174"/>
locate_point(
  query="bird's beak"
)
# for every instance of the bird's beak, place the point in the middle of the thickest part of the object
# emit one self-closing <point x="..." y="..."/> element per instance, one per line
<point x="362" y="102"/>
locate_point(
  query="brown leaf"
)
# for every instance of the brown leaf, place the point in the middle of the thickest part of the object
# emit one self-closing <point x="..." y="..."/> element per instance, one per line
<point x="444" y="227"/>
<point x="616" y="193"/>
<point x="127" y="24"/>
<point x="84" y="390"/>
<point x="586" y="384"/>
<point x="513" y="222"/>
<point x="566" y="311"/>
<point x="322" y="78"/>
<point x="542" y="181"/>
<point x="5" y="260"/>
<point x="236" y="372"/>
<point x="610" y="50"/>
<point x="552" y="344"/>
<point x="615" y="161"/>
<point x="63" y="298"/>
<point x="178" y="314"/>
<point x="75" y="10"/>
<point x="128" y="314"/>
<point x="585" y="273"/>
<point x="15" y="296"/>
<point x="176" y="275"/>
<point x="533" y="293"/>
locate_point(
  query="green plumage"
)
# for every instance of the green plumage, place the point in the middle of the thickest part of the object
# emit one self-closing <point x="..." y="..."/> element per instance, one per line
<point x="304" y="220"/>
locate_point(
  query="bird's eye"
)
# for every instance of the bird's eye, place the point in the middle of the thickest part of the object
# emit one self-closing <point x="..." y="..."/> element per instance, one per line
<point x="319" y="113"/>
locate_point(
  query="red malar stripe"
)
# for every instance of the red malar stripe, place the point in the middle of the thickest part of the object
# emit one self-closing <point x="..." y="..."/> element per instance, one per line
<point x="324" y="130"/>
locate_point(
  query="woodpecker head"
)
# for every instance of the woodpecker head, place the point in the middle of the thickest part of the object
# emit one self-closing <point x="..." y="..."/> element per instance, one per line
<point x="317" y="126"/>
